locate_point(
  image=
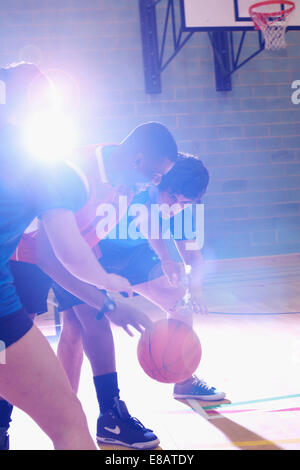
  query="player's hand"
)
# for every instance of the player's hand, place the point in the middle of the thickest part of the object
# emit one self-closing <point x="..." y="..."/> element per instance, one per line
<point x="185" y="316"/>
<point x="115" y="283"/>
<point x="125" y="316"/>
<point x="173" y="271"/>
<point x="199" y="307"/>
<point x="194" y="282"/>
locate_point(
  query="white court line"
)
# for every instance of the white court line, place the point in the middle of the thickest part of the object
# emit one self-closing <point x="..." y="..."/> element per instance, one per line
<point x="196" y="407"/>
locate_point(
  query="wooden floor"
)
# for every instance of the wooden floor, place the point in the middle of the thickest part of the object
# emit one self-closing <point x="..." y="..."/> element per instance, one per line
<point x="254" y="357"/>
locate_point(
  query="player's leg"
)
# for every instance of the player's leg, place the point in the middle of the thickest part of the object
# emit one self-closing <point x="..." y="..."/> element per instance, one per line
<point x="6" y="410"/>
<point x="98" y="345"/>
<point x="96" y="337"/>
<point x="114" y="423"/>
<point x="70" y="350"/>
<point x="32" y="287"/>
<point x="5" y="419"/>
<point x="33" y="379"/>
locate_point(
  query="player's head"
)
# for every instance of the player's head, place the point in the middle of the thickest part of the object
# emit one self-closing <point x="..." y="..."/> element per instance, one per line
<point x="148" y="153"/>
<point x="185" y="183"/>
<point x="27" y="90"/>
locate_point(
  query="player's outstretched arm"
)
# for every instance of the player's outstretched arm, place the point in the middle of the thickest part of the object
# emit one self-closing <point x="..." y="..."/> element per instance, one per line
<point x="75" y="255"/>
<point x="194" y="260"/>
<point x="48" y="262"/>
<point x="172" y="270"/>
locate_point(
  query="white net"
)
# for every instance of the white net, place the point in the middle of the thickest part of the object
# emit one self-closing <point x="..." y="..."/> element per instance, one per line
<point x="272" y="19"/>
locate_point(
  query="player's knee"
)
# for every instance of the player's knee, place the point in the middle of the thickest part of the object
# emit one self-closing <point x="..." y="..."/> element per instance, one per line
<point x="104" y="323"/>
<point x="99" y="327"/>
<point x="90" y="323"/>
<point x="70" y="419"/>
<point x="172" y="301"/>
<point x="72" y="329"/>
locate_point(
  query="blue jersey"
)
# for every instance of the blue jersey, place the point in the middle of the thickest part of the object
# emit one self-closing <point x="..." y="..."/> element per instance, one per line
<point x="27" y="189"/>
<point x="175" y="226"/>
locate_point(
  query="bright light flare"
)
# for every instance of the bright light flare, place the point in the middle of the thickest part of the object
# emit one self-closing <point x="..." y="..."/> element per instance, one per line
<point x="50" y="136"/>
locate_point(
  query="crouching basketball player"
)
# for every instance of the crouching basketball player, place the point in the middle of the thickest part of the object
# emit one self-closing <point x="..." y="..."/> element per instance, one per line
<point x="31" y="377"/>
<point x="155" y="274"/>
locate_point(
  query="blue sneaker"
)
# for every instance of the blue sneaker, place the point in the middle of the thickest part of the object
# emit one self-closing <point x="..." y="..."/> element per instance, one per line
<point x="197" y="389"/>
<point x="4" y="439"/>
<point x="117" y="427"/>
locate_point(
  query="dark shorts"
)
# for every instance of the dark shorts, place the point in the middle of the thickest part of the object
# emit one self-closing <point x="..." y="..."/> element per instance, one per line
<point x="137" y="265"/>
<point x="32" y="286"/>
<point x="12" y="328"/>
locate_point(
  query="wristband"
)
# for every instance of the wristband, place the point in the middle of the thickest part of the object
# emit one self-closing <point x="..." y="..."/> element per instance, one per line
<point x="109" y="305"/>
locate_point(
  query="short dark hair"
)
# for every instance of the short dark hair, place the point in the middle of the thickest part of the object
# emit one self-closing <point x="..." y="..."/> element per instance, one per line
<point x="188" y="177"/>
<point x="152" y="139"/>
<point x="19" y="77"/>
<point x="21" y="70"/>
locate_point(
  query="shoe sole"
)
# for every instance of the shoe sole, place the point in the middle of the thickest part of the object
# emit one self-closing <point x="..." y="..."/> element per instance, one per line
<point x="137" y="446"/>
<point x="218" y="397"/>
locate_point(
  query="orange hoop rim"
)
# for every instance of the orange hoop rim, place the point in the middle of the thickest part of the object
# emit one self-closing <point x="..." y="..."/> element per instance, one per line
<point x="280" y="13"/>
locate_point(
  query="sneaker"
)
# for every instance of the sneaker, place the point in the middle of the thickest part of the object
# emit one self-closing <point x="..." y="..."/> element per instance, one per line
<point x="116" y="426"/>
<point x="197" y="389"/>
<point x="4" y="439"/>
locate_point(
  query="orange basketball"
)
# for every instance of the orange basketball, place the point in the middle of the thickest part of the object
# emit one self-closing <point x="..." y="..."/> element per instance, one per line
<point x="170" y="352"/>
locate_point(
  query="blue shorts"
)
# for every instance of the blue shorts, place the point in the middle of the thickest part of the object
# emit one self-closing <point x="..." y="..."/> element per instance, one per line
<point x="13" y="327"/>
<point x="14" y="322"/>
<point x="138" y="265"/>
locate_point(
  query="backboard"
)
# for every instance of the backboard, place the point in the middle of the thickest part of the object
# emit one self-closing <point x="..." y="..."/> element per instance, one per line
<point x="210" y="15"/>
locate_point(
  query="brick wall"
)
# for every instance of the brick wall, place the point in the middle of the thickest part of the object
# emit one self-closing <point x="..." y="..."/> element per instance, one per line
<point x="248" y="138"/>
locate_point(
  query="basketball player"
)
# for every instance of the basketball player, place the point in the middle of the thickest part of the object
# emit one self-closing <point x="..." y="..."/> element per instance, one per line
<point x="32" y="377"/>
<point x="137" y="262"/>
<point x="27" y="191"/>
<point x="151" y="274"/>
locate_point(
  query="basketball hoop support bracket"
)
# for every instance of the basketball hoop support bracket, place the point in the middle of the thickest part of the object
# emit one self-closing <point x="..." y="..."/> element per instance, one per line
<point x="227" y="56"/>
<point x="221" y="47"/>
<point x="153" y="50"/>
<point x="150" y="46"/>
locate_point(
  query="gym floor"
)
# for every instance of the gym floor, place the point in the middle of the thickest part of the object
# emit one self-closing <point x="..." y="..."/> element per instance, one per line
<point x="254" y="357"/>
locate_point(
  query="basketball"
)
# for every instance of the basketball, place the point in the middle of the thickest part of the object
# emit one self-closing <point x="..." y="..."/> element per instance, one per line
<point x="170" y="352"/>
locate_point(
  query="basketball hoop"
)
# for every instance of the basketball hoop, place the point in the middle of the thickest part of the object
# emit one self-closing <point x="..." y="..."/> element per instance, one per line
<point x="272" y="18"/>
